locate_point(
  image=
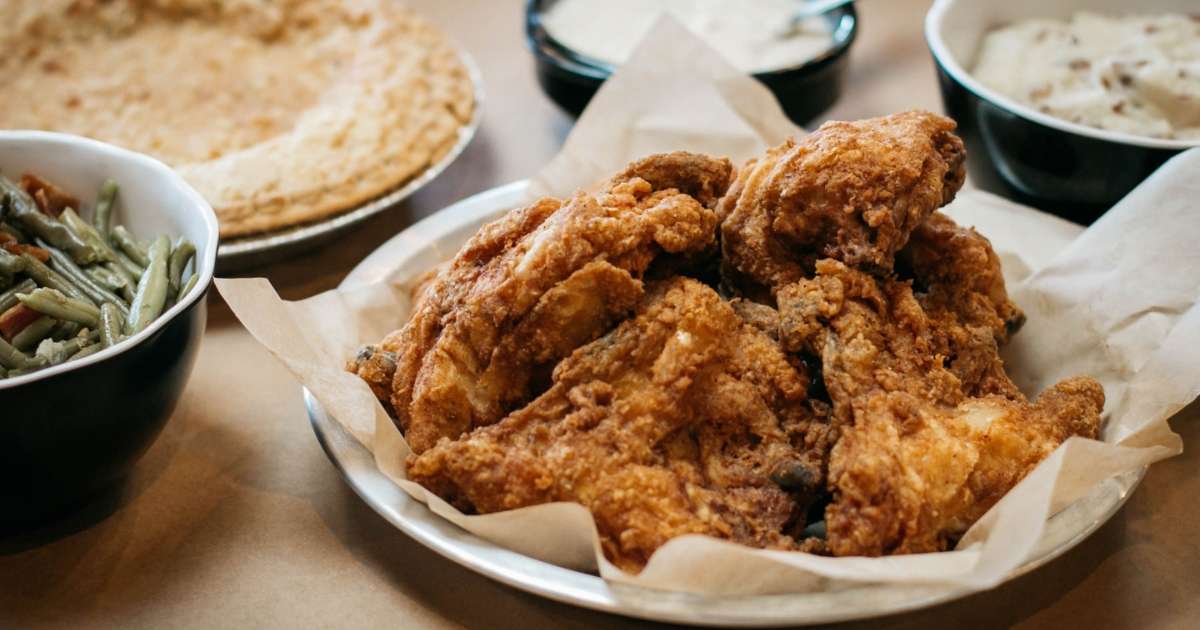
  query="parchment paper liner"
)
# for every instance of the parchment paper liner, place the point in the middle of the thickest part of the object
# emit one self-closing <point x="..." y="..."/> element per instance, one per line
<point x="1117" y="302"/>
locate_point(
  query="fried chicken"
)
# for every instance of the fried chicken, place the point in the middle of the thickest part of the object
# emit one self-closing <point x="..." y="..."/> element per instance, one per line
<point x="565" y="354"/>
<point x="682" y="420"/>
<point x="852" y="191"/>
<point x="912" y="477"/>
<point x="533" y="286"/>
<point x="957" y="280"/>
<point x="919" y="458"/>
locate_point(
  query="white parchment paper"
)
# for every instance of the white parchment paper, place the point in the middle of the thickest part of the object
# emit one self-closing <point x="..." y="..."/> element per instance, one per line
<point x="1117" y="302"/>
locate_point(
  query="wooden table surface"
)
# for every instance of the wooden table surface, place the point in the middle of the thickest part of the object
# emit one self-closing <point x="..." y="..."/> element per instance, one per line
<point x="235" y="518"/>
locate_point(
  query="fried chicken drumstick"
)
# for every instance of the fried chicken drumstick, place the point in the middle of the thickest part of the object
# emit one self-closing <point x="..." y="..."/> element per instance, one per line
<point x="682" y="420"/>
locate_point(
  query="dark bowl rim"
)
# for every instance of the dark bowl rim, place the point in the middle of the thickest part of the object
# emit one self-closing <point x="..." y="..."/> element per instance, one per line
<point x="545" y="46"/>
<point x="948" y="64"/>
<point x="204" y="262"/>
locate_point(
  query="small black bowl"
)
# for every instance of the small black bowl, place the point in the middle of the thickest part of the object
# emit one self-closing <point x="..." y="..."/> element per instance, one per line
<point x="1071" y="170"/>
<point x="571" y="79"/>
<point x="71" y="430"/>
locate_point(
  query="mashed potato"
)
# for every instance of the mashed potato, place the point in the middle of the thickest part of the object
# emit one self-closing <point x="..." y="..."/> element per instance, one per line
<point x="1136" y="74"/>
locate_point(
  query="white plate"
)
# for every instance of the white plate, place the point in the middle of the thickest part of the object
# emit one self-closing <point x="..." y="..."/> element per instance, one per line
<point x="436" y="238"/>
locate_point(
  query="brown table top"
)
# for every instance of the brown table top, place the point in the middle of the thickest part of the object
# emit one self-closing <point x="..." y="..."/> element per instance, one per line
<point x="235" y="518"/>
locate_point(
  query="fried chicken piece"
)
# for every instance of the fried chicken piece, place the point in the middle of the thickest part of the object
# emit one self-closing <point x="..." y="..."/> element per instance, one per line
<point x="699" y="176"/>
<point x="912" y="477"/>
<point x="852" y="191"/>
<point x="679" y="421"/>
<point x="958" y="282"/>
<point x="530" y="288"/>
<point x="919" y="459"/>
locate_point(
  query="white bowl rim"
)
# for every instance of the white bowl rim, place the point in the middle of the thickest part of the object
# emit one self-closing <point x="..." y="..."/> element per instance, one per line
<point x="943" y="56"/>
<point x="206" y="253"/>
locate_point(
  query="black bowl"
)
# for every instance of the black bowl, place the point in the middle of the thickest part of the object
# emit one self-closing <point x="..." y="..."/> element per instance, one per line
<point x="1070" y="170"/>
<point x="571" y="79"/>
<point x="69" y="431"/>
<point x="75" y="433"/>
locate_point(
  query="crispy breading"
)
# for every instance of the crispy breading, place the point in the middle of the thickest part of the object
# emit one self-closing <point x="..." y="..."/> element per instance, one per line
<point x="679" y="421"/>
<point x="499" y="314"/>
<point x="919" y="458"/>
<point x="912" y="477"/>
<point x="855" y="370"/>
<point x="852" y="191"/>
<point x="958" y="282"/>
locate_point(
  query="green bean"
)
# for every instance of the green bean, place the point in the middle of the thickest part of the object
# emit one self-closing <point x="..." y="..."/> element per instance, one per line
<point x="104" y="277"/>
<point x="5" y="226"/>
<point x="14" y="359"/>
<point x="8" y="299"/>
<point x="102" y="217"/>
<point x="129" y="245"/>
<point x="111" y="323"/>
<point x="31" y="335"/>
<point x="48" y="277"/>
<point x="111" y="280"/>
<point x="88" y="234"/>
<point x="98" y="294"/>
<point x="3" y="372"/>
<point x="87" y="351"/>
<point x="45" y="226"/>
<point x="65" y="329"/>
<point x="126" y="268"/>
<point x="11" y="264"/>
<point x="55" y="304"/>
<point x="184" y="252"/>
<point x="187" y="286"/>
<point x="152" y="289"/>
<point x="23" y="371"/>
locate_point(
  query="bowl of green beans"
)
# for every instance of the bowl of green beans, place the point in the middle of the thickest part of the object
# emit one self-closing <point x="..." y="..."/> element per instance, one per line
<point x="105" y="259"/>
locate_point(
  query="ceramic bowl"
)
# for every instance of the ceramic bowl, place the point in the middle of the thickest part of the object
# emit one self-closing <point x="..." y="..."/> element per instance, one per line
<point x="75" y="428"/>
<point x="1072" y="170"/>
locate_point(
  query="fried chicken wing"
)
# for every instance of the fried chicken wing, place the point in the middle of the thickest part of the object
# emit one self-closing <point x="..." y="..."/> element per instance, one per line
<point x="532" y="287"/>
<point x="919" y="458"/>
<point x="852" y="191"/>
<point x="681" y="420"/>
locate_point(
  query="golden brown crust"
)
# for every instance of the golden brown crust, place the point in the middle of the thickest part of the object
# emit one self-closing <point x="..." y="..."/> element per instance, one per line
<point x="679" y="421"/>
<point x="577" y="261"/>
<point x="910" y="477"/>
<point x="852" y="191"/>
<point x="278" y="113"/>
<point x="870" y="386"/>
<point x="922" y="454"/>
<point x="957" y="280"/>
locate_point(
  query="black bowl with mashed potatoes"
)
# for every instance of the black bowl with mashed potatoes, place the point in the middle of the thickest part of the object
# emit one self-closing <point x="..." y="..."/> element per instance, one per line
<point x="577" y="44"/>
<point x="1062" y="105"/>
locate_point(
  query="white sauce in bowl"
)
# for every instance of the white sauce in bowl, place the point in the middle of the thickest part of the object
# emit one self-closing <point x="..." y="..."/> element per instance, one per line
<point x="755" y="36"/>
<point x="1135" y="74"/>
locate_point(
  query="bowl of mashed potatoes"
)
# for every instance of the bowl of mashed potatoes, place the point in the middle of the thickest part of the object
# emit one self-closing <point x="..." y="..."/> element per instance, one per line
<point x="1068" y="105"/>
<point x="577" y="44"/>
